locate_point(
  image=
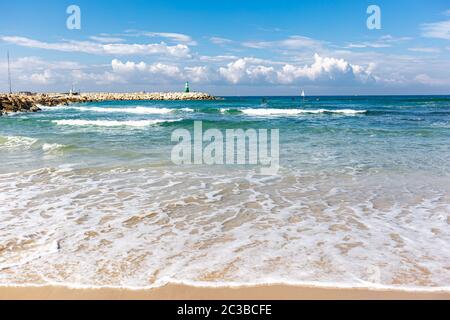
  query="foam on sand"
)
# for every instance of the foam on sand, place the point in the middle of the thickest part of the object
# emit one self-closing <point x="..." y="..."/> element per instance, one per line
<point x="111" y="123"/>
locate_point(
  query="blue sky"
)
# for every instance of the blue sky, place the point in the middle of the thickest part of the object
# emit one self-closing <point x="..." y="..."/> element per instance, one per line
<point x="229" y="47"/>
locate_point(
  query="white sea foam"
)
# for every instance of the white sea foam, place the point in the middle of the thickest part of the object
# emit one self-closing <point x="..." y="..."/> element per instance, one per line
<point x="16" y="142"/>
<point x="185" y="109"/>
<point x="52" y="147"/>
<point x="138" y="228"/>
<point x="290" y="112"/>
<point x="111" y="123"/>
<point x="50" y="108"/>
<point x="15" y="259"/>
<point x="136" y="110"/>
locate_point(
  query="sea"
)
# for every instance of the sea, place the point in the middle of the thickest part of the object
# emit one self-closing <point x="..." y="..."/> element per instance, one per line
<point x="90" y="196"/>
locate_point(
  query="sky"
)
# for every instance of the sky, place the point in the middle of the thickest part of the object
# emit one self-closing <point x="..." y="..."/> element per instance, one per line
<point x="228" y="47"/>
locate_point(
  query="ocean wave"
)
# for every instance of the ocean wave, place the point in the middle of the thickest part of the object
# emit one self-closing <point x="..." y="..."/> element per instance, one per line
<point x="58" y="107"/>
<point x="136" y="110"/>
<point x="230" y="111"/>
<point x="111" y="123"/>
<point x="281" y="112"/>
<point x="52" y="147"/>
<point x="16" y="142"/>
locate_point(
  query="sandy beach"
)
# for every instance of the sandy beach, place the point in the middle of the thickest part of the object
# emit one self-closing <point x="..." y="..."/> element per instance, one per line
<point x="183" y="292"/>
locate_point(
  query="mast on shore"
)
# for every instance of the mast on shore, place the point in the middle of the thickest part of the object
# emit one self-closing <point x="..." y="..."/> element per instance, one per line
<point x="9" y="73"/>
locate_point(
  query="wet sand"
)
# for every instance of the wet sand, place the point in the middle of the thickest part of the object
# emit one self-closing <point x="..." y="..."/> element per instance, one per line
<point x="181" y="292"/>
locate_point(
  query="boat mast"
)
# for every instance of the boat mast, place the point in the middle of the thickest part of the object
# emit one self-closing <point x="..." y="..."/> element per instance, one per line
<point x="9" y="73"/>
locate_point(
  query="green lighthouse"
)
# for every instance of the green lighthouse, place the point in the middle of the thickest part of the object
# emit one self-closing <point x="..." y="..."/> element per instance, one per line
<point x="186" y="87"/>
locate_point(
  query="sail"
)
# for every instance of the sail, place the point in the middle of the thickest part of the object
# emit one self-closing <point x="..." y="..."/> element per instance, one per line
<point x="303" y="93"/>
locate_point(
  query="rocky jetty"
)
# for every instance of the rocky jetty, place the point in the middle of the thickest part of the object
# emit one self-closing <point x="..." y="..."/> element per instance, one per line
<point x="31" y="102"/>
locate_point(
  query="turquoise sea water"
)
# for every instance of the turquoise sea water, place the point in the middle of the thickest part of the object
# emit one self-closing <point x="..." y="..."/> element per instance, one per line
<point x="89" y="195"/>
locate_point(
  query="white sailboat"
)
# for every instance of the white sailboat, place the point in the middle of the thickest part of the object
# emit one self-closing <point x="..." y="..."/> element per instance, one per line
<point x="303" y="94"/>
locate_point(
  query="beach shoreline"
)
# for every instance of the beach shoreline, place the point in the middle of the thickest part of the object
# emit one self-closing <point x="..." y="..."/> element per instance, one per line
<point x="186" y="292"/>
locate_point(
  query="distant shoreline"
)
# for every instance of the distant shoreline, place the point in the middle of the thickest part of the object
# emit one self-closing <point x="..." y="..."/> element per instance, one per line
<point x="30" y="102"/>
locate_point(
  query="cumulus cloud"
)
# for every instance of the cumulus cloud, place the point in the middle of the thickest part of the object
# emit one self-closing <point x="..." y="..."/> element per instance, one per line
<point x="323" y="69"/>
<point x="244" y="70"/>
<point x="171" y="71"/>
<point x="198" y="74"/>
<point x="238" y="71"/>
<point x="101" y="78"/>
<point x="248" y="70"/>
<point x="178" y="51"/>
<point x="43" y="78"/>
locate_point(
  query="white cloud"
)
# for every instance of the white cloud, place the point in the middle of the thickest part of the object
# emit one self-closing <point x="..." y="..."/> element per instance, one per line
<point x="46" y="77"/>
<point x="431" y="81"/>
<point x="439" y="30"/>
<point x="35" y="63"/>
<point x="220" y="41"/>
<point x="234" y="71"/>
<point x="106" y="39"/>
<point x="323" y="69"/>
<point x="143" y="70"/>
<point x="425" y="49"/>
<point x="167" y="70"/>
<point x="102" y="78"/>
<point x="244" y="70"/>
<point x="171" y="36"/>
<point x="219" y="58"/>
<point x="178" y="51"/>
<point x="291" y="43"/>
<point x="385" y="41"/>
<point x="198" y="74"/>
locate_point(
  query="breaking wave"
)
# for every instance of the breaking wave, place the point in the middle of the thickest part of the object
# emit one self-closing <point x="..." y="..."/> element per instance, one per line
<point x="136" y="110"/>
<point x="16" y="142"/>
<point x="111" y="123"/>
<point x="281" y="112"/>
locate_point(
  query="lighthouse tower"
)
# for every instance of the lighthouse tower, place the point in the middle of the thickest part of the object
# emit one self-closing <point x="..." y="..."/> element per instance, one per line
<point x="186" y="87"/>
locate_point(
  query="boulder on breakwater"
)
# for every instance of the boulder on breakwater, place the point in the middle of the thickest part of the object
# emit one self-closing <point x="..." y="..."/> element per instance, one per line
<point x="30" y="102"/>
